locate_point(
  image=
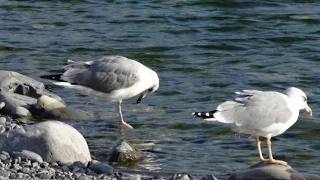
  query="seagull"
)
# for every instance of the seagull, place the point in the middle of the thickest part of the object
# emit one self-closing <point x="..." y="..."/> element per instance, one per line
<point x="261" y="113"/>
<point x="111" y="78"/>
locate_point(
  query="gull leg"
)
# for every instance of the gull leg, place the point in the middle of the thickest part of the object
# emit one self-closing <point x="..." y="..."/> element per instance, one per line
<point x="259" y="149"/>
<point x="271" y="160"/>
<point x="122" y="122"/>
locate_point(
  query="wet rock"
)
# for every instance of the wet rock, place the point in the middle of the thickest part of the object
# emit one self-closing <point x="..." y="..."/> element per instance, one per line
<point x="14" y="82"/>
<point x="125" y="153"/>
<point x="2" y="104"/>
<point x="3" y="120"/>
<point x="48" y="103"/>
<point x="19" y="111"/>
<point x="54" y="141"/>
<point x="29" y="155"/>
<point x="19" y="90"/>
<point x="100" y="168"/>
<point x="64" y="113"/>
<point x="271" y="171"/>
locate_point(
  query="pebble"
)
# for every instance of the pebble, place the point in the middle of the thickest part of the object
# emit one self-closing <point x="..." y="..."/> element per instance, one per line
<point x="3" y="157"/>
<point x="3" y="120"/>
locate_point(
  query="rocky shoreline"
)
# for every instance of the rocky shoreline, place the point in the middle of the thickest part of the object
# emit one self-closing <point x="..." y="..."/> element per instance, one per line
<point x="55" y="150"/>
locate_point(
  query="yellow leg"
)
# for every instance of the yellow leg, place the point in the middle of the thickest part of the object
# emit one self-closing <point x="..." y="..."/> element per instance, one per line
<point x="271" y="160"/>
<point x="259" y="149"/>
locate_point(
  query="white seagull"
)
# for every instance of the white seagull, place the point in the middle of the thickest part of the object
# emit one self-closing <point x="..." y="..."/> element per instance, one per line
<point x="111" y="78"/>
<point x="261" y="113"/>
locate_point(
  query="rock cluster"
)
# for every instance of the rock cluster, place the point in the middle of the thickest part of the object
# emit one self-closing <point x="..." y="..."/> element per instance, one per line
<point x="21" y="96"/>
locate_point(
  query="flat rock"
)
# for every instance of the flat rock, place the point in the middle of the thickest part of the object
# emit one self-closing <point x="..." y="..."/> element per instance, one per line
<point x="266" y="171"/>
<point x="29" y="155"/>
<point x="125" y="153"/>
<point x="66" y="113"/>
<point x="54" y="141"/>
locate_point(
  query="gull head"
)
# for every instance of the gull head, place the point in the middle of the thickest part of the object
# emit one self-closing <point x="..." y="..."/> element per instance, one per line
<point x="154" y="86"/>
<point x="299" y="98"/>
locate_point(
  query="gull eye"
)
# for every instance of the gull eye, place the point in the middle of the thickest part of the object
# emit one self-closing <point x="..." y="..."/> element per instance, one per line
<point x="304" y="99"/>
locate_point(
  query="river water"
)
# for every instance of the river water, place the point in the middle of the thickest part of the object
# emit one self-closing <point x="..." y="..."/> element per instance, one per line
<point x="202" y="51"/>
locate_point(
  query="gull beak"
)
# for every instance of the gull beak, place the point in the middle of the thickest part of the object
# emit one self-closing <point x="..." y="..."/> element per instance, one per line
<point x="308" y="109"/>
<point x="142" y="95"/>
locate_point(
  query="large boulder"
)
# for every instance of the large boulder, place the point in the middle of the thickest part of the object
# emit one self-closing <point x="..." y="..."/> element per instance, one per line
<point x="266" y="171"/>
<point x="54" y="141"/>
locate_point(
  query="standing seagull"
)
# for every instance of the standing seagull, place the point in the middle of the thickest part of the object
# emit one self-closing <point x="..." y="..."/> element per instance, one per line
<point x="261" y="113"/>
<point x="111" y="78"/>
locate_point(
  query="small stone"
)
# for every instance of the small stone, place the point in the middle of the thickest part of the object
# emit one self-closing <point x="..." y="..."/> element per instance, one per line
<point x="3" y="157"/>
<point x="19" y="175"/>
<point x="16" y="166"/>
<point x="25" y="170"/>
<point x="13" y="176"/>
<point x="5" y="153"/>
<point x="54" y="164"/>
<point x="99" y="167"/>
<point x="2" y="129"/>
<point x="44" y="164"/>
<point x="35" y="164"/>
<point x="3" y="120"/>
<point x="2" y="104"/>
<point x="45" y="176"/>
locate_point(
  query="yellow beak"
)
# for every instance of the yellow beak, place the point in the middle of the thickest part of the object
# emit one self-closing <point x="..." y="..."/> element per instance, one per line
<point x="308" y="109"/>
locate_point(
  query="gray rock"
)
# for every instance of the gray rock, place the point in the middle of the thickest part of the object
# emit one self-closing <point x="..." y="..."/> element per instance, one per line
<point x="19" y="111"/>
<point x="54" y="141"/>
<point x="3" y="120"/>
<point x="265" y="170"/>
<point x="19" y="90"/>
<point x="123" y="152"/>
<point x="17" y="83"/>
<point x="29" y="155"/>
<point x="2" y="104"/>
<point x="66" y="113"/>
<point x="100" y="168"/>
<point x="2" y="129"/>
<point x="48" y="103"/>
<point x="4" y="173"/>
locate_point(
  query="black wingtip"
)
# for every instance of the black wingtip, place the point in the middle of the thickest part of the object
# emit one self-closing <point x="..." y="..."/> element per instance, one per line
<point x="209" y="114"/>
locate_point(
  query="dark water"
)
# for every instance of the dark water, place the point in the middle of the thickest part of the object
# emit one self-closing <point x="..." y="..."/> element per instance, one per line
<point x="203" y="51"/>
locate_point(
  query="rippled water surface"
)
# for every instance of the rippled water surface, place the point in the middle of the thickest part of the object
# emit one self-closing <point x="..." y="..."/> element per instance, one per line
<point x="203" y="51"/>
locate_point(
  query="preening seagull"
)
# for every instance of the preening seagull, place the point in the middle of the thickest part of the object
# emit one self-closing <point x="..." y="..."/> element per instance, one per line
<point x="261" y="113"/>
<point x="111" y="78"/>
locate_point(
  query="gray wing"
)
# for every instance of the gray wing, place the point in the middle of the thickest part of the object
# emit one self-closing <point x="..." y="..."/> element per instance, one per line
<point x="106" y="74"/>
<point x="255" y="110"/>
